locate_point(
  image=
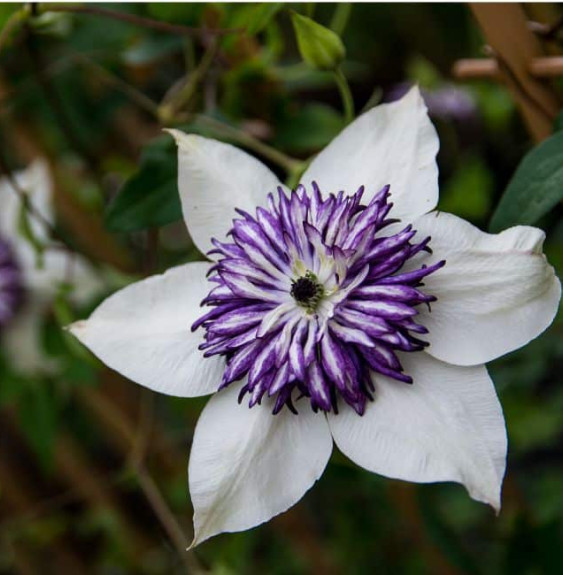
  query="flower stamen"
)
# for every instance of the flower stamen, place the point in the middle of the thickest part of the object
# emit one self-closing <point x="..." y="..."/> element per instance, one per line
<point x="307" y="291"/>
<point x="311" y="298"/>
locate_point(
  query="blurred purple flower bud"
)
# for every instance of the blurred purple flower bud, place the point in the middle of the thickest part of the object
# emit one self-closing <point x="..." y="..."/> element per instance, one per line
<point x="447" y="103"/>
<point x="11" y="289"/>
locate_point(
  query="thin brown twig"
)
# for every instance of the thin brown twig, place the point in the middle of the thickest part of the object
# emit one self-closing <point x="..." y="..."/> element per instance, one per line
<point x="53" y="504"/>
<point x="168" y="521"/>
<point x="151" y="491"/>
<point x="141" y="441"/>
<point x="174" y="103"/>
<point x="166" y="27"/>
<point x="286" y="162"/>
<point x="136" y="96"/>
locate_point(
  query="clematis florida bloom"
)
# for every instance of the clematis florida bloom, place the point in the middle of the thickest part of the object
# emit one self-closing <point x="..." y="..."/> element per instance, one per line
<point x="345" y="310"/>
<point x="28" y="285"/>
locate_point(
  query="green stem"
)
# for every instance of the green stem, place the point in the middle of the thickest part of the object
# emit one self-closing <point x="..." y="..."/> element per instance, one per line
<point x="340" y="17"/>
<point x="175" y="103"/>
<point x="290" y="165"/>
<point x="345" y="94"/>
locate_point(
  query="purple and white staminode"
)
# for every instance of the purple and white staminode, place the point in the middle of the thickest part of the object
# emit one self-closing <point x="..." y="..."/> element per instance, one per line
<point x="310" y="298"/>
<point x="11" y="288"/>
<point x="315" y="302"/>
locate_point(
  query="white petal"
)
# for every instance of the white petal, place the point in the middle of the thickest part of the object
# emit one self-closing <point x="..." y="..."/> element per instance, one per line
<point x="393" y="144"/>
<point x="58" y="266"/>
<point x="495" y="293"/>
<point x="446" y="426"/>
<point x="248" y="465"/>
<point x="36" y="181"/>
<point x="143" y="332"/>
<point x="21" y="339"/>
<point x="215" y="178"/>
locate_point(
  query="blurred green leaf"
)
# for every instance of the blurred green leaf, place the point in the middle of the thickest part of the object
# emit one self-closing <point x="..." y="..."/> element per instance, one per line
<point x="443" y="536"/>
<point x="495" y="104"/>
<point x="423" y="73"/>
<point x="535" y="188"/>
<point x="186" y="13"/>
<point x="6" y="11"/>
<point x="468" y="192"/>
<point x="150" y="197"/>
<point x="558" y="123"/>
<point x="27" y="232"/>
<point x="532" y="423"/>
<point x="534" y="549"/>
<point x="12" y="16"/>
<point x="340" y="17"/>
<point x="54" y="24"/>
<point x="38" y="417"/>
<point x="312" y="128"/>
<point x="261" y="16"/>
<point x="152" y="49"/>
<point x="12" y="384"/>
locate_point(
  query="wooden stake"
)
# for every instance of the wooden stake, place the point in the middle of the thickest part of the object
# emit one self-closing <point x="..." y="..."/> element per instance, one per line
<point x="515" y="47"/>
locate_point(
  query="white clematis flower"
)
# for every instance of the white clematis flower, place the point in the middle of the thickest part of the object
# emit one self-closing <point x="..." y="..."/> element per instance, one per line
<point x="27" y="289"/>
<point x="318" y="311"/>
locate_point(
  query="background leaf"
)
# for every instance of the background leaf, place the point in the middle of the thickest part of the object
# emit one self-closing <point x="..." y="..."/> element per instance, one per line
<point x="262" y="15"/>
<point x="535" y="188"/>
<point x="150" y="197"/>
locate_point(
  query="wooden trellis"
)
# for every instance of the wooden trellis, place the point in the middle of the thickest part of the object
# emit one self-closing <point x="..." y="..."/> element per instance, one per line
<point x="518" y="59"/>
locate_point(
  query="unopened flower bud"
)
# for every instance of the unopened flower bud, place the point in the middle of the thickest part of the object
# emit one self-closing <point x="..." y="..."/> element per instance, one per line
<point x="320" y="47"/>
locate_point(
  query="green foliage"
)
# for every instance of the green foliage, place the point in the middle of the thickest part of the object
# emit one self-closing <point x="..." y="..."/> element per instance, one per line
<point x="496" y="105"/>
<point x="150" y="197"/>
<point x="468" y="192"/>
<point x="38" y="413"/>
<point x="444" y="536"/>
<point x="261" y="15"/>
<point x="6" y="11"/>
<point x="311" y="128"/>
<point x="423" y="73"/>
<point x="27" y="232"/>
<point x="320" y="47"/>
<point x="558" y="124"/>
<point x="535" y="188"/>
<point x="534" y="548"/>
<point x="186" y="13"/>
<point x="54" y="24"/>
<point x="36" y="408"/>
<point x="151" y="49"/>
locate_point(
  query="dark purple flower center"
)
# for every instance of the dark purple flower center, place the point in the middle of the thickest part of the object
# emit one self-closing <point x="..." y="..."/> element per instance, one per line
<point x="303" y="289"/>
<point x="307" y="291"/>
<point x="313" y="296"/>
<point x="11" y="288"/>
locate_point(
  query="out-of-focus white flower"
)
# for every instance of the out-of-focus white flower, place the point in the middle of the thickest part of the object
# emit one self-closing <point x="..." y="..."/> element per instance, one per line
<point x="30" y="283"/>
<point x="320" y="312"/>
